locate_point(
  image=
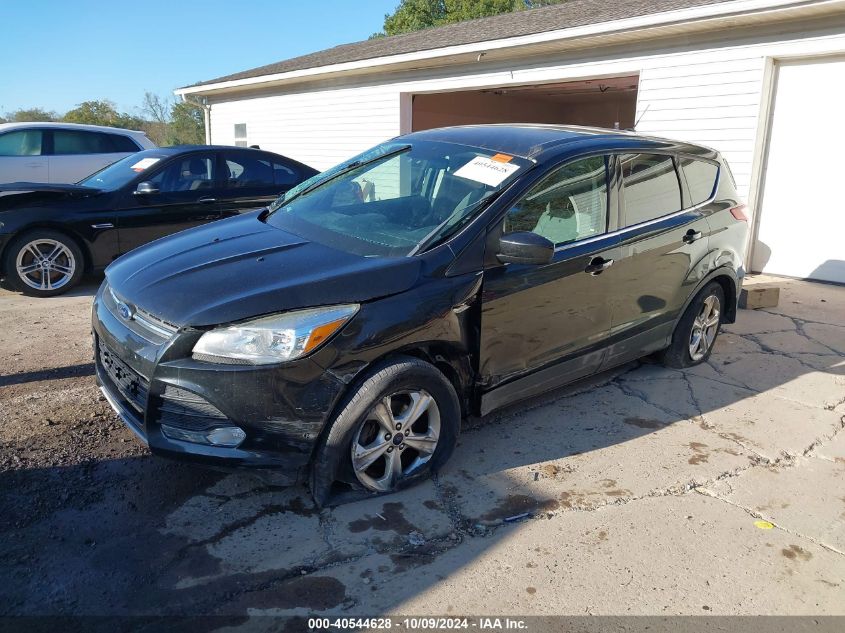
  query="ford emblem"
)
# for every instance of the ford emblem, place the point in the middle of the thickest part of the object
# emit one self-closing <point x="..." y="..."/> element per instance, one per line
<point x="126" y="312"/>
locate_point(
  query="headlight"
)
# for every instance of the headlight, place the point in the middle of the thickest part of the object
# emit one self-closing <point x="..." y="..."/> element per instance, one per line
<point x="273" y="339"/>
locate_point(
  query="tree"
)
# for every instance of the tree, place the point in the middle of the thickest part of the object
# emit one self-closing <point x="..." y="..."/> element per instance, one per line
<point x="187" y="125"/>
<point x="158" y="110"/>
<point x="173" y="122"/>
<point x="29" y="115"/>
<point x="93" y="113"/>
<point x="413" y="15"/>
<point x="102" y="113"/>
<point x="165" y="121"/>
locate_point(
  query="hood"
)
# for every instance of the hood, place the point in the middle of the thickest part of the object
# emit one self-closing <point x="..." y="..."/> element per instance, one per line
<point x="16" y="194"/>
<point x="241" y="268"/>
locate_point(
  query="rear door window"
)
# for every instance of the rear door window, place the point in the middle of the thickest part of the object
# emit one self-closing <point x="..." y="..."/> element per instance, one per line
<point x="567" y="205"/>
<point x="286" y="175"/>
<point x="259" y="171"/>
<point x="247" y="172"/>
<point x="80" y="142"/>
<point x="651" y="187"/>
<point x="21" y="143"/>
<point x="701" y="179"/>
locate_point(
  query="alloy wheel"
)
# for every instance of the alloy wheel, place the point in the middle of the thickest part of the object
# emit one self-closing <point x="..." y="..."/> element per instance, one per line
<point x="704" y="328"/>
<point x="397" y="436"/>
<point x="45" y="264"/>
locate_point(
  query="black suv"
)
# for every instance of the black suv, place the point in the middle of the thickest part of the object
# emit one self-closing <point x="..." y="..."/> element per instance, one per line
<point x="344" y="332"/>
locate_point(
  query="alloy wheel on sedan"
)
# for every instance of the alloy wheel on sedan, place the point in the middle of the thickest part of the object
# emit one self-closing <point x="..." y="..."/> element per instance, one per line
<point x="704" y="328"/>
<point x="398" y="436"/>
<point x="46" y="264"/>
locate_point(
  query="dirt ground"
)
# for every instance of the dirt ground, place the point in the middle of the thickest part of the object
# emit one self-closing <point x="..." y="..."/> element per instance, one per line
<point x="718" y="490"/>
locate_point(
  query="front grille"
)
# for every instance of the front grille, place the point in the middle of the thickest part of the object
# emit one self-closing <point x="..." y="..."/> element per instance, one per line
<point x="184" y="409"/>
<point x="143" y="323"/>
<point x="131" y="385"/>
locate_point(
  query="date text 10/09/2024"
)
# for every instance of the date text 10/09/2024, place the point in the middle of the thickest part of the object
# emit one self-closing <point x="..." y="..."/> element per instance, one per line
<point x="418" y="623"/>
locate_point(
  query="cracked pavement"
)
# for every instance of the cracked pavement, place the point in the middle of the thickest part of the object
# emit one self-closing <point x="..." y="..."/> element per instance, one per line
<point x="645" y="490"/>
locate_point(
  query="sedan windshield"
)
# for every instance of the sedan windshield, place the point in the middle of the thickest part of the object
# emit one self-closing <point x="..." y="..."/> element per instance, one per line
<point x="117" y="174"/>
<point x="397" y="197"/>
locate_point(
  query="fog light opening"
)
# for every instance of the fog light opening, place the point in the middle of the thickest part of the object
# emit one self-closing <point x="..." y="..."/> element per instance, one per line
<point x="229" y="436"/>
<point x="225" y="436"/>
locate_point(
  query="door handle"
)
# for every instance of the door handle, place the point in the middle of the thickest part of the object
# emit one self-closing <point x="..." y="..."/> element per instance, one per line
<point x="692" y="235"/>
<point x="205" y="200"/>
<point x="597" y="265"/>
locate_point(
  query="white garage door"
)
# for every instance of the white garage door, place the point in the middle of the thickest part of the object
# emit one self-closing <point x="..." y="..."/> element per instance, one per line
<point x="802" y="218"/>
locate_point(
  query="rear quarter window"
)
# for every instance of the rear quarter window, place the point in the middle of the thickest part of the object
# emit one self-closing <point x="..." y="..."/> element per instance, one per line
<point x="122" y="143"/>
<point x="701" y="179"/>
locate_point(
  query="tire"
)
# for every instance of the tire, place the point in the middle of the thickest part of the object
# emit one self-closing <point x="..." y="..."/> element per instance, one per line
<point x="691" y="344"/>
<point x="361" y="431"/>
<point x="62" y="272"/>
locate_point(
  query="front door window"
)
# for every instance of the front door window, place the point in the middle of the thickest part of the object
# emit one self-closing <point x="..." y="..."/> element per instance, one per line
<point x="569" y="204"/>
<point x="191" y="173"/>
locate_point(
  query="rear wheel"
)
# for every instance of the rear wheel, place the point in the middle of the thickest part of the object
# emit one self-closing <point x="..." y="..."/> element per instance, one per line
<point x="696" y="332"/>
<point x="43" y="263"/>
<point x="398" y="427"/>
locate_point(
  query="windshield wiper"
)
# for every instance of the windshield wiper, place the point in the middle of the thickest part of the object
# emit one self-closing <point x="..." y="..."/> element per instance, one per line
<point x="431" y="240"/>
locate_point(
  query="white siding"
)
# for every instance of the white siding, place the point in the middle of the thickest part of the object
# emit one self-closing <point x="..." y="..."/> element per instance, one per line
<point x="319" y="128"/>
<point x="695" y="91"/>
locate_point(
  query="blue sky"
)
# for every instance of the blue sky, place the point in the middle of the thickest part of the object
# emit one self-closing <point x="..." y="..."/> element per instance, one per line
<point x="55" y="54"/>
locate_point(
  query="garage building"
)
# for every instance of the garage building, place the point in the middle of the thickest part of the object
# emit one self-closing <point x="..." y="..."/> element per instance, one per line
<point x="762" y="81"/>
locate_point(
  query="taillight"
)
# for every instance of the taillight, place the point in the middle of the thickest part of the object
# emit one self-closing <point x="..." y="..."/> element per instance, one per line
<point x="739" y="212"/>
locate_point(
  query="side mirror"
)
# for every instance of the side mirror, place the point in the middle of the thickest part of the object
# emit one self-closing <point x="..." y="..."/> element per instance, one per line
<point x="145" y="189"/>
<point x="525" y="247"/>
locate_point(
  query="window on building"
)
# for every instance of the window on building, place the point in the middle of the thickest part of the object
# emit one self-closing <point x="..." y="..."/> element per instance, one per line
<point x="240" y="134"/>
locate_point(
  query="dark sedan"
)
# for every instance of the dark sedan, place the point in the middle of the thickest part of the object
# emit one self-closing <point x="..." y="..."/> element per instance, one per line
<point x="51" y="234"/>
<point x="344" y="332"/>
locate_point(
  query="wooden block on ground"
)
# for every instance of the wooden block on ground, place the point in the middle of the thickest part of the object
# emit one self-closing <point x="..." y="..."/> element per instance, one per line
<point x="754" y="296"/>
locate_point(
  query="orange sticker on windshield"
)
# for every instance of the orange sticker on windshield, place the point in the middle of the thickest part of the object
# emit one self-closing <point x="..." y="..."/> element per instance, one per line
<point x="501" y="158"/>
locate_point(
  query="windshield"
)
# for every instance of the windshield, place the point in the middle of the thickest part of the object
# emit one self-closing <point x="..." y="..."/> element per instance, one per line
<point x="396" y="197"/>
<point x="118" y="174"/>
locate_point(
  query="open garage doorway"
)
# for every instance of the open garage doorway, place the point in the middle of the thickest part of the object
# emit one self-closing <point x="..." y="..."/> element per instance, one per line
<point x="608" y="102"/>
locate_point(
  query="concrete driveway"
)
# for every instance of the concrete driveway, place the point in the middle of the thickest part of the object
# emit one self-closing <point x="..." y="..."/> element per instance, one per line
<point x="717" y="490"/>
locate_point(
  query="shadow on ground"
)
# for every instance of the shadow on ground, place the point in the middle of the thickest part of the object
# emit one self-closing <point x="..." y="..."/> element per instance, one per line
<point x="144" y="536"/>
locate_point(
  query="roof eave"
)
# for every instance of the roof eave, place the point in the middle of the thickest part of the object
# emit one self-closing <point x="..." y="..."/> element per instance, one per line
<point x="646" y="26"/>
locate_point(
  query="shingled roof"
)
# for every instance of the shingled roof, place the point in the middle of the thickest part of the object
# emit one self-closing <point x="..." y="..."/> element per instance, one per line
<point x="571" y="13"/>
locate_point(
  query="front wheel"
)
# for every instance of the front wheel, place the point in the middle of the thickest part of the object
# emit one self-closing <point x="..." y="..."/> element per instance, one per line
<point x="398" y="427"/>
<point x="696" y="332"/>
<point x="43" y="263"/>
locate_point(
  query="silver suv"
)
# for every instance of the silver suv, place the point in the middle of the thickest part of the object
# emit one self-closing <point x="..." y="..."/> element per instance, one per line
<point x="62" y="152"/>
